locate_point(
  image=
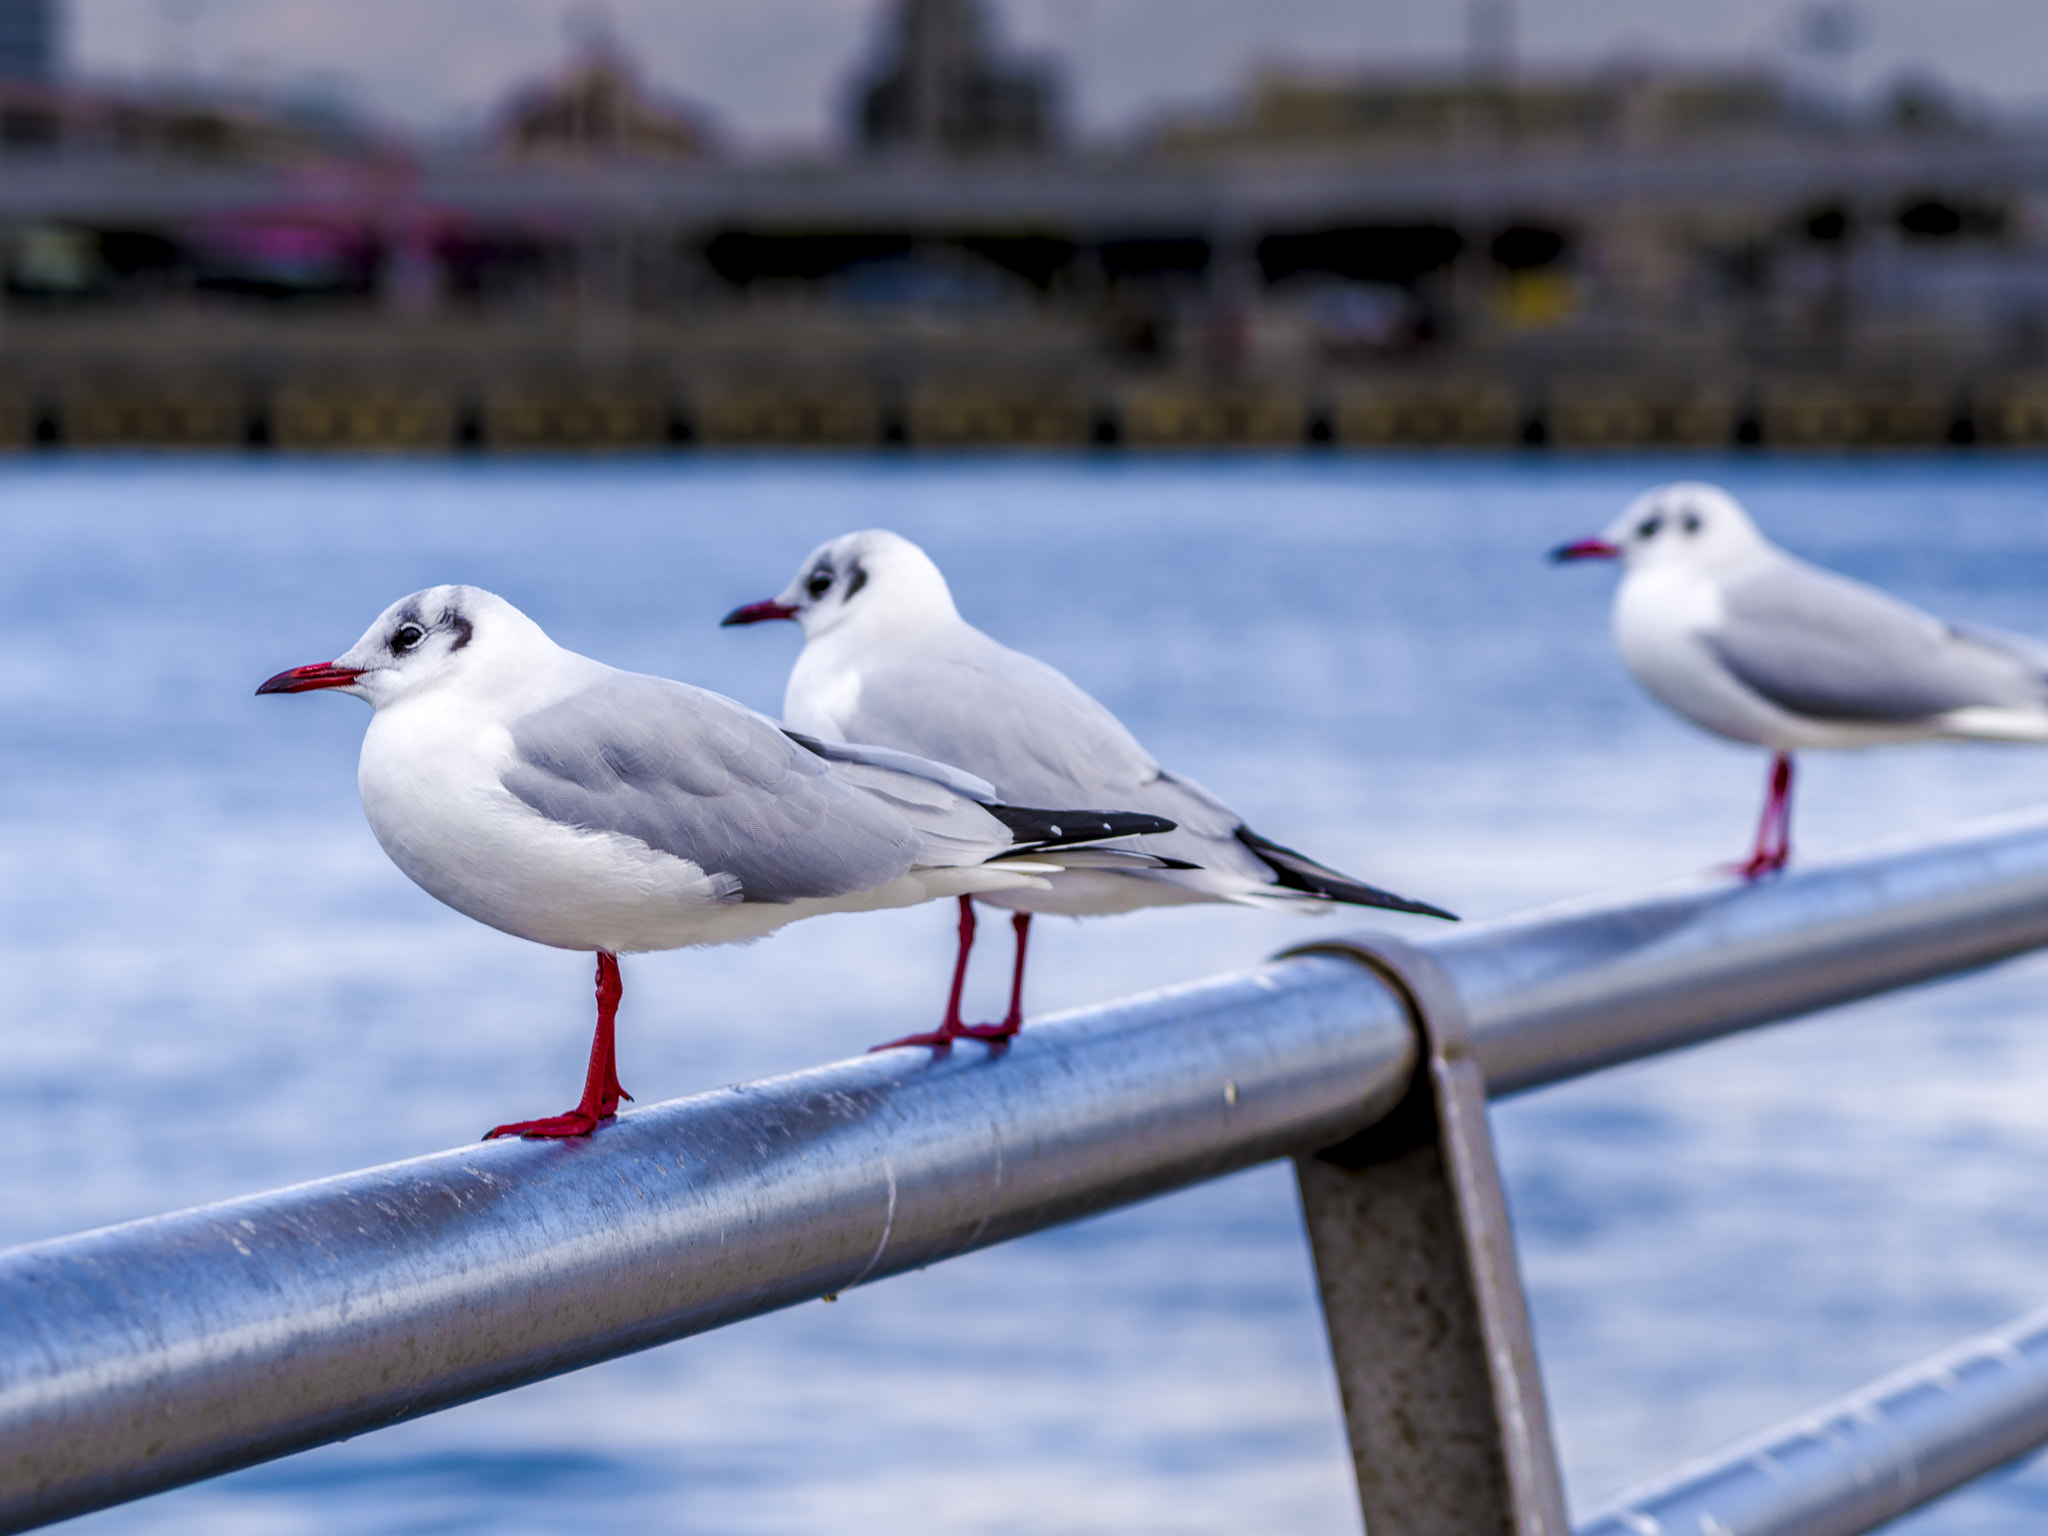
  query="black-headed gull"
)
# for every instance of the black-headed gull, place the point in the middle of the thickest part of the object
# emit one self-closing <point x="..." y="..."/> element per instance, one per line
<point x="887" y="658"/>
<point x="1757" y="645"/>
<point x="569" y="803"/>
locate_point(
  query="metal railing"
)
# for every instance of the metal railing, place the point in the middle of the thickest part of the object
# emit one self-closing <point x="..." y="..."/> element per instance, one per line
<point x="1865" y="1458"/>
<point x="143" y="1356"/>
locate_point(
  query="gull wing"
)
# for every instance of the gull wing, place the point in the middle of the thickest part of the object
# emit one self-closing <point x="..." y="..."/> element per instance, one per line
<point x="695" y="775"/>
<point x="1004" y="717"/>
<point x="1028" y="729"/>
<point x="1829" y="648"/>
<point x="957" y="780"/>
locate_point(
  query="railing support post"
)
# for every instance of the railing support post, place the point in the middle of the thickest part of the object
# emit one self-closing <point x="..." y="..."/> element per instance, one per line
<point x="1422" y="1296"/>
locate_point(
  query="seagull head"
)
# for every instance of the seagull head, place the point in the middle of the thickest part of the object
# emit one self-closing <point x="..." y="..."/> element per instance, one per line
<point x="872" y="582"/>
<point x="1684" y="525"/>
<point x="418" y="643"/>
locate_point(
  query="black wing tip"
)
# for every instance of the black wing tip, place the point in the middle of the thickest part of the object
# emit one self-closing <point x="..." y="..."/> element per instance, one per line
<point x="1354" y="893"/>
<point x="1373" y="897"/>
<point x="1036" y="828"/>
<point x="1135" y="824"/>
<point x="810" y="744"/>
<point x="1298" y="872"/>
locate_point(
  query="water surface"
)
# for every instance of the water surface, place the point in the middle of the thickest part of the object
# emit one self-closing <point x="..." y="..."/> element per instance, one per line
<point x="211" y="981"/>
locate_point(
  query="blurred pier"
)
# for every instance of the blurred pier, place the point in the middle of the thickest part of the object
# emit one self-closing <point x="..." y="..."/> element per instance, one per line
<point x="325" y="389"/>
<point x="199" y="377"/>
<point x="1619" y="256"/>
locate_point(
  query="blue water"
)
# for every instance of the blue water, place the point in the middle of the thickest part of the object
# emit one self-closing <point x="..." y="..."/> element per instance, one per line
<point x="211" y="981"/>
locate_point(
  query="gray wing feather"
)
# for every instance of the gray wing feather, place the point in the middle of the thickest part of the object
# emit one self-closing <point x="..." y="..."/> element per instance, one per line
<point x="1006" y="717"/>
<point x="1032" y="733"/>
<point x="1830" y="648"/>
<point x="951" y="828"/>
<point x="700" y="777"/>
<point x="2023" y="649"/>
<point x="1205" y="832"/>
<point x="959" y="781"/>
<point x="1041" y="741"/>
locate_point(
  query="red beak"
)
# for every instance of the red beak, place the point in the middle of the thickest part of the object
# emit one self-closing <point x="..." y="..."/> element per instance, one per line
<point x="321" y="674"/>
<point x="754" y="613"/>
<point x="1586" y="549"/>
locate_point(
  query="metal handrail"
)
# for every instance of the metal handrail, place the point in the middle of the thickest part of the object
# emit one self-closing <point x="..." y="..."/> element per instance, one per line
<point x="1867" y="1457"/>
<point x="151" y="1354"/>
<point x="143" y="1356"/>
<point x="1565" y="990"/>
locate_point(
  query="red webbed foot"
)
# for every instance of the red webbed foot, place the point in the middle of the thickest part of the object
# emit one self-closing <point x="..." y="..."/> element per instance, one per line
<point x="1002" y="1031"/>
<point x="601" y="1090"/>
<point x="942" y="1038"/>
<point x="577" y="1122"/>
<point x="938" y="1039"/>
<point x="1774" y="832"/>
<point x="952" y="1029"/>
<point x="1758" y="865"/>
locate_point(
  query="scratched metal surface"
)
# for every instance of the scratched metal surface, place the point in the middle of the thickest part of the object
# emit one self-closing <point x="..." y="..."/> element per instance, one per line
<point x="146" y="1355"/>
<point x="1567" y="989"/>
<point x="143" y="1356"/>
<point x="212" y="982"/>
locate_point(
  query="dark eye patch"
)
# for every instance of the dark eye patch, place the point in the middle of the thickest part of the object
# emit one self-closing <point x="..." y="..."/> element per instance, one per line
<point x="820" y="582"/>
<point x="1692" y="522"/>
<point x="1647" y="528"/>
<point x="860" y="579"/>
<point x="405" y="637"/>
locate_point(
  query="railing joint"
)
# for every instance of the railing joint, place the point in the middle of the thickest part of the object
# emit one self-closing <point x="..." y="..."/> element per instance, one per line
<point x="1415" y="1259"/>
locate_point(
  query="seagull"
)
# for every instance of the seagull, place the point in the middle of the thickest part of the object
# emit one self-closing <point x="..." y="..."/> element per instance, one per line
<point x="579" y="806"/>
<point x="888" y="659"/>
<point x="1754" y="644"/>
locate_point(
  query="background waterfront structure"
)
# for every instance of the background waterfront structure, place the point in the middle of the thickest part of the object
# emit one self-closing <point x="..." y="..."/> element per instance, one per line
<point x="28" y="39"/>
<point x="1678" y="253"/>
<point x="942" y="89"/>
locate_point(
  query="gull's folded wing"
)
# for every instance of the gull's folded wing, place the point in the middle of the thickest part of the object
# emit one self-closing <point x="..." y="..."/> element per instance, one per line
<point x="697" y="776"/>
<point x="958" y="780"/>
<point x="1824" y="646"/>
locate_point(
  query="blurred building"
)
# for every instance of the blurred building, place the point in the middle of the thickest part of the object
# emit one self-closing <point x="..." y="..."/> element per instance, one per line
<point x="942" y="89"/>
<point x="110" y="124"/>
<point x="28" y="39"/>
<point x="1289" y="110"/>
<point x="1688" y="255"/>
<point x="598" y="107"/>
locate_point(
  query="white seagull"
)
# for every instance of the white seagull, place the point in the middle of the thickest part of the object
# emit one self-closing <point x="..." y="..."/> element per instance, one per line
<point x="887" y="658"/>
<point x="1755" y="644"/>
<point x="564" y="801"/>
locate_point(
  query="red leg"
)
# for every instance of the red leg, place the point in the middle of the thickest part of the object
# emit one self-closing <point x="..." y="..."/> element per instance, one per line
<point x="1014" y="1019"/>
<point x="611" y="989"/>
<point x="601" y="1090"/>
<point x="1774" y="830"/>
<point x="1781" y="780"/>
<point x="950" y="1029"/>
